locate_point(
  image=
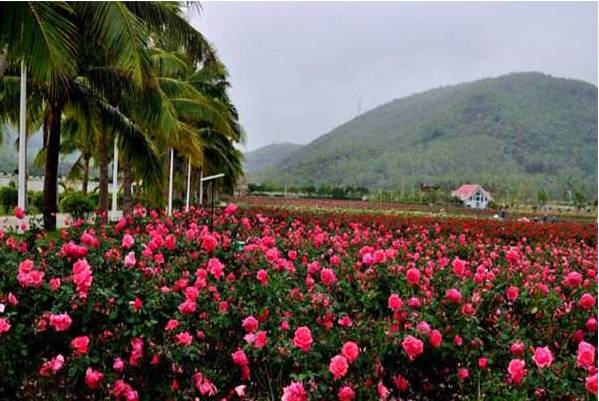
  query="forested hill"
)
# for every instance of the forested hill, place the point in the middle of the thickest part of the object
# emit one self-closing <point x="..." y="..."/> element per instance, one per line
<point x="518" y="132"/>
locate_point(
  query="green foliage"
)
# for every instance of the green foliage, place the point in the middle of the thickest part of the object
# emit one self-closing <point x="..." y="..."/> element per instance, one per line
<point x="77" y="204"/>
<point x="526" y="130"/>
<point x="36" y="199"/>
<point x="8" y="196"/>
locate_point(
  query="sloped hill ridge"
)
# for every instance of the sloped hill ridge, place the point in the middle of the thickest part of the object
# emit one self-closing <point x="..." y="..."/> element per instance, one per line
<point x="518" y="132"/>
<point x="268" y="156"/>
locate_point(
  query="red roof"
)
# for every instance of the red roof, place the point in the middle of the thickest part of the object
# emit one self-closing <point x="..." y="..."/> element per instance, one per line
<point x="466" y="190"/>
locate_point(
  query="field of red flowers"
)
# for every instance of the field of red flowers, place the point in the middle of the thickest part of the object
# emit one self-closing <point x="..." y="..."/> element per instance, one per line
<point x="267" y="305"/>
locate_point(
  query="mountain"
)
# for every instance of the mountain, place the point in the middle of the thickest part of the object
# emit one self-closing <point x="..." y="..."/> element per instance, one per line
<point x="268" y="156"/>
<point x="517" y="133"/>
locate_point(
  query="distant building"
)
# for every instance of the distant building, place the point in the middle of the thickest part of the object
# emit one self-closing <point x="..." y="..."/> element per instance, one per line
<point x="472" y="195"/>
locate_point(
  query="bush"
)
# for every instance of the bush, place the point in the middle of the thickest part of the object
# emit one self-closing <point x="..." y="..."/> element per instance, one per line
<point x="165" y="309"/>
<point x="36" y="200"/>
<point x="77" y="205"/>
<point x="8" y="197"/>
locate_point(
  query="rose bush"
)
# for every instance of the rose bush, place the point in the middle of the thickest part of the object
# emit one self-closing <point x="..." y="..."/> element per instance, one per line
<point x="269" y="305"/>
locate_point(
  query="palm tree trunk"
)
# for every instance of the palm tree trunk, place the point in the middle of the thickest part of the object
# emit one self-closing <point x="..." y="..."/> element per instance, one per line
<point x="3" y="64"/>
<point x="103" y="184"/>
<point x="51" y="171"/>
<point x="85" y="175"/>
<point x="127" y="182"/>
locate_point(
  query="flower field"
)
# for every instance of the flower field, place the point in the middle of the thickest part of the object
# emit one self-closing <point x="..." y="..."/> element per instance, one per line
<point x="269" y="305"/>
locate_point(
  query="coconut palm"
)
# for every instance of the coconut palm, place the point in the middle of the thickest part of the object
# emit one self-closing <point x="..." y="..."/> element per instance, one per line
<point x="72" y="50"/>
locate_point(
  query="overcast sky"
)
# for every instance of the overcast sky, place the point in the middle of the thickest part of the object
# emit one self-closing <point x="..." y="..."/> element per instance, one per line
<point x="300" y="69"/>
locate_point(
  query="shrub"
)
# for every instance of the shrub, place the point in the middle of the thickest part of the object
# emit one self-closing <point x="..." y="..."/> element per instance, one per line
<point x="8" y="197"/>
<point x="77" y="204"/>
<point x="36" y="199"/>
<point x="267" y="303"/>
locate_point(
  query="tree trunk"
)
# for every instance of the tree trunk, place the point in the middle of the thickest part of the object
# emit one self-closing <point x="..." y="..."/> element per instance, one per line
<point x="103" y="184"/>
<point x="127" y="183"/>
<point x="3" y="64"/>
<point x="51" y="171"/>
<point x="85" y="175"/>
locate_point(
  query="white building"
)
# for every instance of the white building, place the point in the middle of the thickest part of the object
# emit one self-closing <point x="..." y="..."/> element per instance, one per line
<point x="472" y="195"/>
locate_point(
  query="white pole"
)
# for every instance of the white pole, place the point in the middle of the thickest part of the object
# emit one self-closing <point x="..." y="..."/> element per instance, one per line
<point x="188" y="184"/>
<point x="201" y="187"/>
<point x="21" y="199"/>
<point x="115" y="174"/>
<point x="170" y="184"/>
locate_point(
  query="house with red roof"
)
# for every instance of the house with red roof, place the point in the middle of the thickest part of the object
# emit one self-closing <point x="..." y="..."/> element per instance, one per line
<point x="472" y="195"/>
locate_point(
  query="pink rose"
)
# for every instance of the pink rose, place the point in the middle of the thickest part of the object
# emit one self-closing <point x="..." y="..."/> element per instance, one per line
<point x="93" y="378"/>
<point x="350" y="350"/>
<point x="394" y="302"/>
<point x="327" y="276"/>
<point x="413" y="276"/>
<point x="250" y="324"/>
<point x="338" y="366"/>
<point x="435" y="338"/>
<point x="591" y="383"/>
<point x="52" y="366"/>
<point x="463" y="373"/>
<point x="516" y="370"/>
<point x="4" y="325"/>
<point x="80" y="345"/>
<point x="412" y="346"/>
<point x="587" y="301"/>
<point x="346" y="393"/>
<point x="60" y="322"/>
<point x="512" y="293"/>
<point x="127" y="241"/>
<point x="517" y="348"/>
<point x="260" y="340"/>
<point x="239" y="358"/>
<point x="118" y="365"/>
<point x="262" y="276"/>
<point x="216" y="268"/>
<point x="184" y="338"/>
<point x="294" y="392"/>
<point x="482" y="362"/>
<point x="454" y="296"/>
<point x="542" y="357"/>
<point x="586" y="355"/>
<point x="303" y="338"/>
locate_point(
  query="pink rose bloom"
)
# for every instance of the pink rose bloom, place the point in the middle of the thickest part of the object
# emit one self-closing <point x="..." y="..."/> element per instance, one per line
<point x="586" y="355"/>
<point x="346" y="393"/>
<point x="591" y="383"/>
<point x="482" y="362"/>
<point x="80" y="345"/>
<point x="27" y="276"/>
<point x="230" y="209"/>
<point x="454" y="296"/>
<point x="239" y="358"/>
<point x="172" y="324"/>
<point x="542" y="357"/>
<point x="591" y="325"/>
<point x="250" y="324"/>
<point x="463" y="373"/>
<point x="327" y="276"/>
<point x="587" y="301"/>
<point x="573" y="280"/>
<point x="394" y="302"/>
<point x="130" y="260"/>
<point x="338" y="366"/>
<point x="260" y="340"/>
<point x="262" y="276"/>
<point x="516" y="370"/>
<point x="82" y="277"/>
<point x="54" y="283"/>
<point x="303" y="338"/>
<point x="187" y="307"/>
<point x="423" y="327"/>
<point x="204" y="385"/>
<point x="128" y="241"/>
<point x="435" y="338"/>
<point x="413" y="276"/>
<point x="52" y="366"/>
<point x="350" y="350"/>
<point x="517" y="348"/>
<point x="216" y="268"/>
<point x="185" y="339"/>
<point x="4" y="325"/>
<point x="512" y="293"/>
<point x="458" y="267"/>
<point x="93" y="378"/>
<point x="60" y="322"/>
<point x="412" y="346"/>
<point x="118" y="365"/>
<point x="294" y="392"/>
<point x="19" y="213"/>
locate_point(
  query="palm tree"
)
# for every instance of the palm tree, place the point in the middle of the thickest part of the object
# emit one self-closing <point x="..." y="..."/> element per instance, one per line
<point x="72" y="49"/>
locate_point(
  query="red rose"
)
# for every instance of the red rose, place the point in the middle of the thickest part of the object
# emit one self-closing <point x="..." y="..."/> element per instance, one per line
<point x="412" y="346"/>
<point x="303" y="338"/>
